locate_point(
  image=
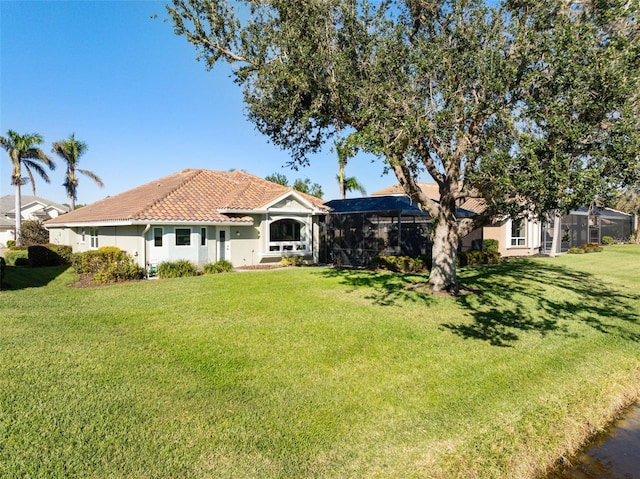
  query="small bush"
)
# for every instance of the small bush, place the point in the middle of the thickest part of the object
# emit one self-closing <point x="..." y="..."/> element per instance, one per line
<point x="490" y="245"/>
<point x="476" y="258"/>
<point x="591" y="248"/>
<point x="107" y="265"/>
<point x="608" y="240"/>
<point x="222" y="266"/>
<point x="400" y="264"/>
<point x="575" y="250"/>
<point x="14" y="255"/>
<point x="176" y="269"/>
<point x="290" y="260"/>
<point x="11" y="243"/>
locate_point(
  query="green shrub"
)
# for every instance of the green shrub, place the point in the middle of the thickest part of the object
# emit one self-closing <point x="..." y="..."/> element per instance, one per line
<point x="176" y="269"/>
<point x="222" y="266"/>
<point x="14" y="255"/>
<point x="11" y="243"/>
<point x="290" y="260"/>
<point x="608" y="240"/>
<point x="400" y="264"/>
<point x="49" y="255"/>
<point x="575" y="250"/>
<point x="475" y="258"/>
<point x="107" y="265"/>
<point x="490" y="245"/>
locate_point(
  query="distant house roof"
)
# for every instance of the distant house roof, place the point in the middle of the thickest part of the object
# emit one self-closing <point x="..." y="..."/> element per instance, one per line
<point x="473" y="205"/>
<point x="189" y="195"/>
<point x="7" y="204"/>
<point x="601" y="212"/>
<point x="381" y="204"/>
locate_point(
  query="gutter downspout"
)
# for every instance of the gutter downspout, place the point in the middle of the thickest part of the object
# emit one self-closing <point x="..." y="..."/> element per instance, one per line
<point x="144" y="246"/>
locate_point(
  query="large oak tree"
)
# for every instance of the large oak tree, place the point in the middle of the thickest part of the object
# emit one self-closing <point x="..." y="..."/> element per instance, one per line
<point x="524" y="104"/>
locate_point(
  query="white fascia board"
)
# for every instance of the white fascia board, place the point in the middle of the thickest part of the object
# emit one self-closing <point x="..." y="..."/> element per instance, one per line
<point x="293" y="193"/>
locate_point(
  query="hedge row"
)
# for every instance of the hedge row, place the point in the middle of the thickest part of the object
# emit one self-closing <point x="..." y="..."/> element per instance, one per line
<point x="183" y="268"/>
<point x="475" y="258"/>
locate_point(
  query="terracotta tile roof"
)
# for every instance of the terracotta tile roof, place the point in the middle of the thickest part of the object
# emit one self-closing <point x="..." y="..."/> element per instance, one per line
<point x="189" y="195"/>
<point x="431" y="190"/>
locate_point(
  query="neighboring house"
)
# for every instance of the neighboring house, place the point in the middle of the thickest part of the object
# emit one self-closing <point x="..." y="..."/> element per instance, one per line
<point x="33" y="208"/>
<point x="201" y="216"/>
<point x="530" y="236"/>
<point x="588" y="225"/>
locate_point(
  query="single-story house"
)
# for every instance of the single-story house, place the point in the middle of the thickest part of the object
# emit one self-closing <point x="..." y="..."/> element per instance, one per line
<point x="201" y="216"/>
<point x="31" y="208"/>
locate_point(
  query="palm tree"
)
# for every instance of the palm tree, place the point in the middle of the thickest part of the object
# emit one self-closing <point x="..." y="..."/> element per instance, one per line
<point x="347" y="148"/>
<point x="350" y="183"/>
<point x="71" y="150"/>
<point x="23" y="150"/>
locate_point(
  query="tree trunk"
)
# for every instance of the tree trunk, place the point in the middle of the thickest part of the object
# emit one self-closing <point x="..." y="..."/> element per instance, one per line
<point x="18" y="210"/>
<point x="443" y="256"/>
<point x="556" y="245"/>
<point x="637" y="224"/>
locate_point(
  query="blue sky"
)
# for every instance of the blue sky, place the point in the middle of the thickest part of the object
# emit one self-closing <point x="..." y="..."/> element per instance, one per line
<point x="123" y="83"/>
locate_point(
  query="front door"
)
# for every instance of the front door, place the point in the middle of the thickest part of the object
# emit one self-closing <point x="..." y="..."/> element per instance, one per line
<point x="223" y="245"/>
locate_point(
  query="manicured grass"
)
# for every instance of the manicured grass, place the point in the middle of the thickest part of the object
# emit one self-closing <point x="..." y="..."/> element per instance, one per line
<point x="316" y="372"/>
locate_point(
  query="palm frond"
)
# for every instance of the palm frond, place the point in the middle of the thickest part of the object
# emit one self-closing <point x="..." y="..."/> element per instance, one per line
<point x="91" y="175"/>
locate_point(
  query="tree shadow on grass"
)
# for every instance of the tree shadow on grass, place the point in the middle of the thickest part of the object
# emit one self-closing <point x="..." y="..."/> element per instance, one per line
<point x="515" y="297"/>
<point x="22" y="277"/>
<point x="386" y="288"/>
<point x="523" y="295"/>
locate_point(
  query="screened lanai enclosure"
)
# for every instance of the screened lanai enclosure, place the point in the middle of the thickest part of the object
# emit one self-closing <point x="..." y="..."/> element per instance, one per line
<point x="588" y="225"/>
<point x="359" y="229"/>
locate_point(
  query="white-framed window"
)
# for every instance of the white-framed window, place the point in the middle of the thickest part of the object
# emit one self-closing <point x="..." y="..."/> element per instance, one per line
<point x="518" y="232"/>
<point x="93" y="233"/>
<point x="203" y="236"/>
<point x="183" y="236"/>
<point x="81" y="235"/>
<point x="288" y="236"/>
<point x="157" y="237"/>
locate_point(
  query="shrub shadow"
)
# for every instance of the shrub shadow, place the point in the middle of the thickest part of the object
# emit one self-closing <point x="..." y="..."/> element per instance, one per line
<point x="23" y="277"/>
<point x="516" y="299"/>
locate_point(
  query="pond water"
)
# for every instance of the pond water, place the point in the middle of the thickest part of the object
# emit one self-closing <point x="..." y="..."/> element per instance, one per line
<point x="614" y="455"/>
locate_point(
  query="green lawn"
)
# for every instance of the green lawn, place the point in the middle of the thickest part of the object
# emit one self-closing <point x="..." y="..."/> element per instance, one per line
<point x="316" y="373"/>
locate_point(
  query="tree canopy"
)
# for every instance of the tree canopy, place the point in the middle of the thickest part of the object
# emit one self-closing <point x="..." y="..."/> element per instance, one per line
<point x="531" y="106"/>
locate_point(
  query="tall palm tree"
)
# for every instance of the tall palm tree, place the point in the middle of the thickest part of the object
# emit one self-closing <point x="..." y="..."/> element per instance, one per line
<point x="23" y="151"/>
<point x="347" y="148"/>
<point x="71" y="150"/>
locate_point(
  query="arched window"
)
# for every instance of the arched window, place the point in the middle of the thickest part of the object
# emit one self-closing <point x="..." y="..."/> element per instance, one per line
<point x="287" y="235"/>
